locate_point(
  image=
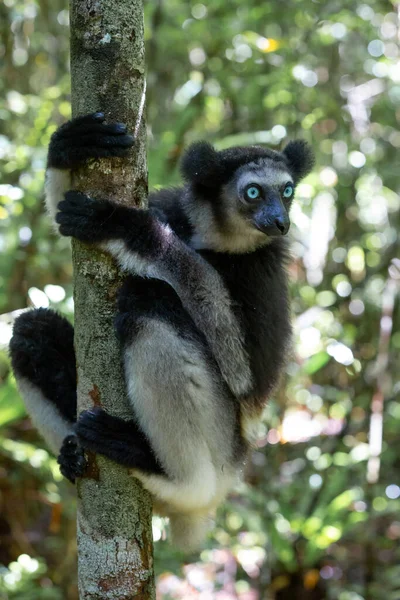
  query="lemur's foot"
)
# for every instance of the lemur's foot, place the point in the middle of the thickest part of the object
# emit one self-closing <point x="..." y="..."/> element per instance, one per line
<point x="83" y="138"/>
<point x="72" y="459"/>
<point x="121" y="441"/>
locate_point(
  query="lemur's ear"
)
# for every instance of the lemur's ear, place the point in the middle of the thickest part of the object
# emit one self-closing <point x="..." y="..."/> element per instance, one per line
<point x="300" y="158"/>
<point x="200" y="164"/>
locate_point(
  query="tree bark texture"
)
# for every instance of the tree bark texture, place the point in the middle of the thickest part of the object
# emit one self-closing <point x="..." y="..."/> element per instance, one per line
<point x="114" y="512"/>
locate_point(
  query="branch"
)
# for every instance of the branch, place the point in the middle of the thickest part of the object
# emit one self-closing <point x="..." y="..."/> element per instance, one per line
<point x="382" y="361"/>
<point x="114" y="512"/>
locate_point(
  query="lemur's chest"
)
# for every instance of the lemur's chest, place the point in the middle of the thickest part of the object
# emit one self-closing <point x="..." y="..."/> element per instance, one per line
<point x="257" y="283"/>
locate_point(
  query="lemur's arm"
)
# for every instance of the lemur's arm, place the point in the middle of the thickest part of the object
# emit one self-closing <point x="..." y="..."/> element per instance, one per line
<point x="143" y="245"/>
<point x="73" y="144"/>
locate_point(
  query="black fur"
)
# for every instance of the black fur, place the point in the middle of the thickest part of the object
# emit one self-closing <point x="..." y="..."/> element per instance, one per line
<point x="42" y="351"/>
<point x="87" y="137"/>
<point x="121" y="441"/>
<point x="258" y="283"/>
<point x="200" y="164"/>
<point x="203" y="165"/>
<point x="153" y="299"/>
<point x="166" y="206"/>
<point x="299" y="158"/>
<point x="94" y="221"/>
<point x="72" y="459"/>
<point x="91" y="220"/>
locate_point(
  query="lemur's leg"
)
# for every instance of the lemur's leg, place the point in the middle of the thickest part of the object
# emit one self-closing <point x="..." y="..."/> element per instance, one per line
<point x="145" y="246"/>
<point x="179" y="400"/>
<point x="122" y="441"/>
<point x="76" y="142"/>
<point x="43" y="360"/>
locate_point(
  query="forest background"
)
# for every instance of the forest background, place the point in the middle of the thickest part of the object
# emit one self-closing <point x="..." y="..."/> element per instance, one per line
<point x="318" y="513"/>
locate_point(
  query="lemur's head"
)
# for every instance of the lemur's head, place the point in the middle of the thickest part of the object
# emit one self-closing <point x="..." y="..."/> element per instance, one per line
<point x="240" y="197"/>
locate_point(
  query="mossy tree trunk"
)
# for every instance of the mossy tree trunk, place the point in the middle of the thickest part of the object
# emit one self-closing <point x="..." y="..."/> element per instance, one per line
<point x="114" y="512"/>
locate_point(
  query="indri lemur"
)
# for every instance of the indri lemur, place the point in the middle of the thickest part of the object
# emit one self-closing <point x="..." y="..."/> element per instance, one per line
<point x="203" y="319"/>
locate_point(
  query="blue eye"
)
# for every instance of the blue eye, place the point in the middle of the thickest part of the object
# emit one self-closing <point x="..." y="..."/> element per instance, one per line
<point x="253" y="192"/>
<point x="288" y="191"/>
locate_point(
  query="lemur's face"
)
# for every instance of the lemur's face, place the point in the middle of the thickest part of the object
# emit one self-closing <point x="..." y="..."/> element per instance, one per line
<point x="259" y="198"/>
<point x="240" y="197"/>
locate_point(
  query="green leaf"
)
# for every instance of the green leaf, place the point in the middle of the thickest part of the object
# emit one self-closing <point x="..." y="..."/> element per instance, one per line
<point x="11" y="406"/>
<point x="316" y="362"/>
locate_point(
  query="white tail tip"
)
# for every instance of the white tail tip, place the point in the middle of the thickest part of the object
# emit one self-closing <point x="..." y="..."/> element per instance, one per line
<point x="189" y="532"/>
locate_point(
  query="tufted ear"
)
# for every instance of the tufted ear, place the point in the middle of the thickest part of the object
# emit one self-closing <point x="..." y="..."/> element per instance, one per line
<point x="200" y="164"/>
<point x="300" y="158"/>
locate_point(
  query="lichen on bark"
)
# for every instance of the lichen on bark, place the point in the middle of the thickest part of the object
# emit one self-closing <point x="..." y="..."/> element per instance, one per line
<point x="114" y="512"/>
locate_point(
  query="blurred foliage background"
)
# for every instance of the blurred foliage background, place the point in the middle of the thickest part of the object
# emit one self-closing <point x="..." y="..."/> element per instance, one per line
<point x="318" y="514"/>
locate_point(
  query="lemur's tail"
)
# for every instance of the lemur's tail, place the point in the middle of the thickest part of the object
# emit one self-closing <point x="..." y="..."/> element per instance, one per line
<point x="43" y="360"/>
<point x="189" y="531"/>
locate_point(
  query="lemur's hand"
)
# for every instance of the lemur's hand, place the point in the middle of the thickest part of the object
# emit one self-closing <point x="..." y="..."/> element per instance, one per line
<point x="90" y="220"/>
<point x="83" y="138"/>
<point x="95" y="221"/>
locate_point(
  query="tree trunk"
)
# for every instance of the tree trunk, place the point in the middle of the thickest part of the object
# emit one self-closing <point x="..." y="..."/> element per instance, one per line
<point x="114" y="512"/>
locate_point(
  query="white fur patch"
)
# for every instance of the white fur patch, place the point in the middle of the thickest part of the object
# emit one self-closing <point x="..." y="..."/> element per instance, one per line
<point x="251" y="427"/>
<point x="128" y="261"/>
<point x="131" y="261"/>
<point x="240" y="237"/>
<point x="188" y="532"/>
<point x="191" y="495"/>
<point x="57" y="183"/>
<point x="263" y="174"/>
<point x="181" y="409"/>
<point x="45" y="416"/>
